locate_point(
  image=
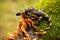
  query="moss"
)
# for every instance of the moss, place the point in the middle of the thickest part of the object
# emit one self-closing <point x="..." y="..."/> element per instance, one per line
<point x="52" y="9"/>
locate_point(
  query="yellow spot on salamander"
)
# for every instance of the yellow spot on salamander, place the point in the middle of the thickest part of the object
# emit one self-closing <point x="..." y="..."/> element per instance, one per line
<point x="26" y="8"/>
<point x="50" y="24"/>
<point x="40" y="17"/>
<point x="41" y="30"/>
<point x="28" y="13"/>
<point x="48" y="28"/>
<point x="43" y="12"/>
<point x="46" y="15"/>
<point x="49" y="19"/>
<point x="38" y="10"/>
<point x="22" y="11"/>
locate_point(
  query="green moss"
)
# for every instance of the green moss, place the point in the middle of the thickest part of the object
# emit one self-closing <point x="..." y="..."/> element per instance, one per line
<point x="52" y="8"/>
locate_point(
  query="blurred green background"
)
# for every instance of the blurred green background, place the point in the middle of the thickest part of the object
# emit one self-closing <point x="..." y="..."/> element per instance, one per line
<point x="8" y="19"/>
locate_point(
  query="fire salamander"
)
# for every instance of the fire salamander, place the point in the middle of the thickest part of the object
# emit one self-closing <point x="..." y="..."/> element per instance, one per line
<point x="35" y="13"/>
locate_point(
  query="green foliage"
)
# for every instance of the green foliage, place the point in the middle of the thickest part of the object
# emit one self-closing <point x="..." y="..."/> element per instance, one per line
<point x="52" y="8"/>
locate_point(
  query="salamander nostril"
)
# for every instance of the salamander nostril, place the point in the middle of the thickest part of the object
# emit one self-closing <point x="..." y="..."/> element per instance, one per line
<point x="17" y="14"/>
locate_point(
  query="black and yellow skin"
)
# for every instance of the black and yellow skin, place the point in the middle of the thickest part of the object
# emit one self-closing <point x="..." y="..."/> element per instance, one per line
<point x="42" y="16"/>
<point x="34" y="13"/>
